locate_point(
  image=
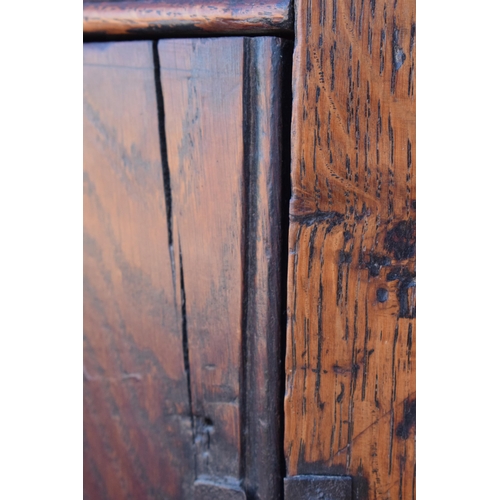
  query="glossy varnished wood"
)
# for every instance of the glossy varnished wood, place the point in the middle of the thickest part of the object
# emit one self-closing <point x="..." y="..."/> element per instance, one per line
<point x="167" y="18"/>
<point x="222" y="108"/>
<point x="350" y="366"/>
<point x="137" y="425"/>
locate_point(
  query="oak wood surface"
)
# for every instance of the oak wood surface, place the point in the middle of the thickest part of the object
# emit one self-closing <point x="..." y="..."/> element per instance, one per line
<point x="186" y="18"/>
<point x="183" y="268"/>
<point x="350" y="364"/>
<point x="222" y="105"/>
<point x="202" y="90"/>
<point x="137" y="425"/>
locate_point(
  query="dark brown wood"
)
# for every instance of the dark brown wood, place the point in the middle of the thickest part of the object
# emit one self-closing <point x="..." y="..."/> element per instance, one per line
<point x="350" y="390"/>
<point x="187" y="18"/>
<point x="267" y="100"/>
<point x="137" y="423"/>
<point x="222" y="105"/>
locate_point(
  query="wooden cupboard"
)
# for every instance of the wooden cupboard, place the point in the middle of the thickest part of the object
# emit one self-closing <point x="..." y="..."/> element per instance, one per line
<point x="249" y="250"/>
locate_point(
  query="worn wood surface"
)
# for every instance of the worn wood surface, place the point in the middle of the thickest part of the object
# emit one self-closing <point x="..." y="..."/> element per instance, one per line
<point x="168" y="18"/>
<point x="208" y="490"/>
<point x="183" y="268"/>
<point x="267" y="101"/>
<point x="137" y="425"/>
<point x="222" y="105"/>
<point x="202" y="91"/>
<point x="350" y="365"/>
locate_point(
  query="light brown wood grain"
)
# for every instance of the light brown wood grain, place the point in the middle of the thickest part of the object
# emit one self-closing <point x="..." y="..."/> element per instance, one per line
<point x="137" y="425"/>
<point x="187" y="17"/>
<point x="350" y="367"/>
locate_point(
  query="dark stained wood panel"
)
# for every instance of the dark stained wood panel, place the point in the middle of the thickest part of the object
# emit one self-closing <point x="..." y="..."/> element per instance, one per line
<point x="267" y="99"/>
<point x="222" y="107"/>
<point x="350" y="389"/>
<point x="186" y="18"/>
<point x="137" y="425"/>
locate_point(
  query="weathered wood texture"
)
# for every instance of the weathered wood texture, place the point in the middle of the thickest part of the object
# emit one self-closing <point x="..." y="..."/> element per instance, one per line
<point x="137" y="425"/>
<point x="267" y="100"/>
<point x="183" y="268"/>
<point x="207" y="490"/>
<point x="350" y="365"/>
<point x="202" y="90"/>
<point x="222" y="120"/>
<point x="186" y="18"/>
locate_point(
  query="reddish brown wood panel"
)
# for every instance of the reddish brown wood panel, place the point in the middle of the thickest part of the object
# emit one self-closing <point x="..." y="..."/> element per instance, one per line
<point x="137" y="425"/>
<point x="350" y="366"/>
<point x="202" y="89"/>
<point x="187" y="18"/>
<point x="222" y="107"/>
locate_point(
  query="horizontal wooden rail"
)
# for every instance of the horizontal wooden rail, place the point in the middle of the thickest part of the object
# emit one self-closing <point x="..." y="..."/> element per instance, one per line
<point x="186" y="18"/>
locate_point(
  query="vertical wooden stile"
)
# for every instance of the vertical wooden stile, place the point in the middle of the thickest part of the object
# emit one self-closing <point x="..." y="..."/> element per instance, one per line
<point x="223" y="124"/>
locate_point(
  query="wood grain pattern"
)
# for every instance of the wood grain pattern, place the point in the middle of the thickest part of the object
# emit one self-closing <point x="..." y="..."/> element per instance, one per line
<point x="350" y="366"/>
<point x="137" y="425"/>
<point x="186" y="18"/>
<point x="223" y="126"/>
<point x="202" y="89"/>
<point x="183" y="268"/>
